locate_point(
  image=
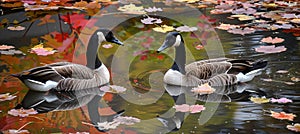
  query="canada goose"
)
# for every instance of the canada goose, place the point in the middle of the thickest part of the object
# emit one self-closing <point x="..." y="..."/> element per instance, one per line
<point x="215" y="72"/>
<point x="67" y="76"/>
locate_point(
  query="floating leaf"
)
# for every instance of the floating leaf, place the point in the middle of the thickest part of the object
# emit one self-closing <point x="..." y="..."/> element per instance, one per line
<point x="151" y="20"/>
<point x="186" y="29"/>
<point x="283" y="26"/>
<point x="153" y="9"/>
<point x="6" y="96"/>
<point x="244" y="31"/>
<point x="220" y="11"/>
<point x="295" y="127"/>
<point x="227" y="26"/>
<point x="22" y="112"/>
<point x="187" y="108"/>
<point x="40" y="50"/>
<point x="268" y="80"/>
<point x="244" y="11"/>
<point x="113" y="89"/>
<point x="289" y="15"/>
<point x="281" y="100"/>
<point x="17" y="28"/>
<point x="282" y="71"/>
<point x="259" y="100"/>
<point x="270" y="49"/>
<point x="133" y="9"/>
<point x="12" y="52"/>
<point x="296" y="21"/>
<point x="289" y="83"/>
<point x="117" y="121"/>
<point x="283" y="115"/>
<point x="295" y="79"/>
<point x="243" y="17"/>
<point x="272" y="40"/>
<point x="5" y="47"/>
<point x="163" y="28"/>
<point x="188" y="1"/>
<point x="203" y="89"/>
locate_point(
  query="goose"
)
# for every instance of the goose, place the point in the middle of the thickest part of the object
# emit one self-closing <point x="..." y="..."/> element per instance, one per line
<point x="67" y="76"/>
<point x="215" y="72"/>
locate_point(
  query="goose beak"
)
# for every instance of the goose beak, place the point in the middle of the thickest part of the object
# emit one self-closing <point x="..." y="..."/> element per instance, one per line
<point x="163" y="47"/>
<point x="115" y="40"/>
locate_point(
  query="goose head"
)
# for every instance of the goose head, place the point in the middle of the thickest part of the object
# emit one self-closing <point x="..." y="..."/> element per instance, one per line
<point x="106" y="35"/>
<point x="173" y="39"/>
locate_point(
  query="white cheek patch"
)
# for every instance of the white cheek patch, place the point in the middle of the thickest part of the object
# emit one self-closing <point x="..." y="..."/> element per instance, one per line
<point x="101" y="37"/>
<point x="178" y="41"/>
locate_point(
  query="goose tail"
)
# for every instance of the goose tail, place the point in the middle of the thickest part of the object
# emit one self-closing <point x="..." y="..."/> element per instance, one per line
<point x="254" y="70"/>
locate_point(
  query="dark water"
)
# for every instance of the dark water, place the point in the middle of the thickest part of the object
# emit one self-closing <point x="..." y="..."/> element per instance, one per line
<point x="137" y="68"/>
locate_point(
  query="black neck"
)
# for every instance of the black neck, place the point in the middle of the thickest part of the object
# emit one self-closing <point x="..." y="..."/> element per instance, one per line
<point x="93" y="61"/>
<point x="179" y="63"/>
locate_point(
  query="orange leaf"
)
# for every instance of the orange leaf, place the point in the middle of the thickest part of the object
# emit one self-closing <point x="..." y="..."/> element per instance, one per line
<point x="283" y="115"/>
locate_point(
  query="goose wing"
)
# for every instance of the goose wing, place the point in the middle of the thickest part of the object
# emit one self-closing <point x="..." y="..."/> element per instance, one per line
<point x="56" y="72"/>
<point x="208" y="68"/>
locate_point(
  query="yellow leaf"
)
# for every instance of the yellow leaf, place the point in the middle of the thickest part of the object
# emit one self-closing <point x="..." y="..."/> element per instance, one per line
<point x="260" y="100"/>
<point x="38" y="46"/>
<point x="131" y="8"/>
<point x="242" y="17"/>
<point x="163" y="28"/>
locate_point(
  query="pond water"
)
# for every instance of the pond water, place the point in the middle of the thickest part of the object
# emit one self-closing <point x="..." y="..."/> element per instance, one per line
<point x="137" y="67"/>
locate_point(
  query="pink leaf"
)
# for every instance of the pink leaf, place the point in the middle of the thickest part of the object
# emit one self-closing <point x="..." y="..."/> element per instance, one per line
<point x="153" y="9"/>
<point x="150" y="20"/>
<point x="7" y="96"/>
<point x="187" y="108"/>
<point x="270" y="49"/>
<point x="186" y="29"/>
<point x="42" y="51"/>
<point x="22" y="112"/>
<point x="203" y="89"/>
<point x="227" y="26"/>
<point x="281" y="100"/>
<point x="182" y="108"/>
<point x="271" y="40"/>
<point x="5" y="47"/>
<point x="244" y="11"/>
<point x="244" y="31"/>
<point x="196" y="108"/>
<point x="295" y="127"/>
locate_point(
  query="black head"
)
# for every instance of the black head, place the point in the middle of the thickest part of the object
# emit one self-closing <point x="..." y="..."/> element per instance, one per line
<point x="107" y="35"/>
<point x="173" y="39"/>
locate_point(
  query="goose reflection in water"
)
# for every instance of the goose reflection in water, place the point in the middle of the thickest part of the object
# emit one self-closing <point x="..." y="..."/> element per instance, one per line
<point x="223" y="94"/>
<point x="52" y="100"/>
